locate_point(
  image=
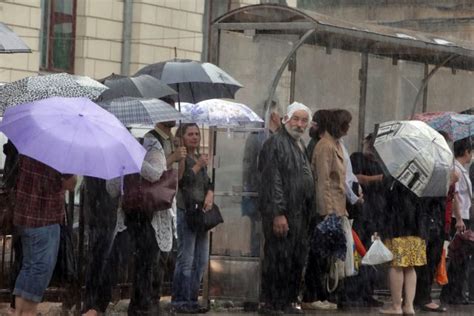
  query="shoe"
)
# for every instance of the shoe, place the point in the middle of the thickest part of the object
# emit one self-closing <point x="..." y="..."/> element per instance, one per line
<point x="290" y="309"/>
<point x="315" y="305"/>
<point x="267" y="309"/>
<point x="183" y="310"/>
<point x="330" y="305"/>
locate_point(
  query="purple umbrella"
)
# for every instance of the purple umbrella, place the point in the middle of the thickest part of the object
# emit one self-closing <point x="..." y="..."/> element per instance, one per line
<point x="73" y="135"/>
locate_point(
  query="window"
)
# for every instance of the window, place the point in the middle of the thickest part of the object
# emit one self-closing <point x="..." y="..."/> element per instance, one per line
<point x="58" y="30"/>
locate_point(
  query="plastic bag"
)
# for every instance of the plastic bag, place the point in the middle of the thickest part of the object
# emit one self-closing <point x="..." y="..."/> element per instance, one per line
<point x="441" y="273"/>
<point x="378" y="253"/>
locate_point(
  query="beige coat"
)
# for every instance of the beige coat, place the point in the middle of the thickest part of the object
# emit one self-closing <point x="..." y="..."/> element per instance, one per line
<point x="329" y="174"/>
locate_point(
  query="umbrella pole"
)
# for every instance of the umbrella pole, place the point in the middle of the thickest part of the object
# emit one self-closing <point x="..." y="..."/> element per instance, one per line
<point x="179" y="109"/>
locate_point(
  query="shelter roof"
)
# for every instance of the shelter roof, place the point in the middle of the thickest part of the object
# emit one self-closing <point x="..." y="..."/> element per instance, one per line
<point x="351" y="36"/>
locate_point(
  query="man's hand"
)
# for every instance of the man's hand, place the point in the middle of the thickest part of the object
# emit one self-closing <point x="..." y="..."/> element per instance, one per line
<point x="460" y="226"/>
<point x="360" y="200"/>
<point x="69" y="183"/>
<point x="179" y="154"/>
<point x="280" y="226"/>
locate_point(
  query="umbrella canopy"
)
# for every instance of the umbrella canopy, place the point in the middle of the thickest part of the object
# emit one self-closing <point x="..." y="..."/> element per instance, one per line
<point x="75" y="136"/>
<point x="215" y="112"/>
<point x="34" y="88"/>
<point x="416" y="155"/>
<point x="458" y="126"/>
<point x="142" y="111"/>
<point x="143" y="86"/>
<point x="10" y="42"/>
<point x="194" y="81"/>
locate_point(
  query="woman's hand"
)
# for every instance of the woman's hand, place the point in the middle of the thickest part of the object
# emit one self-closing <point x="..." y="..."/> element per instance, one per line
<point x="203" y="160"/>
<point x="208" y="201"/>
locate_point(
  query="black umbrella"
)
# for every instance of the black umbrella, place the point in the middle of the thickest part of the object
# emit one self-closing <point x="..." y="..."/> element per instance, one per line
<point x="144" y="86"/>
<point x="10" y="42"/>
<point x="194" y="81"/>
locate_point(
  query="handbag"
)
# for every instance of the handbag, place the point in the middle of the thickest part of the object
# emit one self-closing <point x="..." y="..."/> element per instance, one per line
<point x="142" y="195"/>
<point x="198" y="220"/>
<point x="66" y="270"/>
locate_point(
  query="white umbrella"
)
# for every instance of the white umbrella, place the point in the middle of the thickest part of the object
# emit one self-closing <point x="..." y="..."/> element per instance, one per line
<point x="416" y="155"/>
<point x="220" y="113"/>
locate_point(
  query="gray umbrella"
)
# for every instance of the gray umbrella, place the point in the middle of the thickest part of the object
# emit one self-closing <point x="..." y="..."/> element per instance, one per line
<point x="10" y="42"/>
<point x="194" y="81"/>
<point x="34" y="88"/>
<point x="141" y="111"/>
<point x="144" y="86"/>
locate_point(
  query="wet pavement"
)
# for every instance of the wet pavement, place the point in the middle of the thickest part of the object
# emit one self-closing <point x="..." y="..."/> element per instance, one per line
<point x="120" y="309"/>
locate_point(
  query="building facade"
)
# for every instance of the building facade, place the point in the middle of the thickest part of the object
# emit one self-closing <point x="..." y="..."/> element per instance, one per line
<point x="87" y="36"/>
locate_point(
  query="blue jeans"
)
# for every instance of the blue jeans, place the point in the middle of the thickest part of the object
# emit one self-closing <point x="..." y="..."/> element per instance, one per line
<point x="191" y="262"/>
<point x="40" y="250"/>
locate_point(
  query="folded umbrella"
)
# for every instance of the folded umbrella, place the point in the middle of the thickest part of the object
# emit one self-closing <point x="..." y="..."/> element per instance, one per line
<point x="458" y="126"/>
<point x="141" y="111"/>
<point x="328" y="239"/>
<point x="74" y="136"/>
<point x="34" y="88"/>
<point x="143" y="86"/>
<point x="415" y="155"/>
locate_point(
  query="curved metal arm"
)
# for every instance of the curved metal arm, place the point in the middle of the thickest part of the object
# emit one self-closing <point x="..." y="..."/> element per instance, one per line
<point x="277" y="77"/>
<point x="427" y="79"/>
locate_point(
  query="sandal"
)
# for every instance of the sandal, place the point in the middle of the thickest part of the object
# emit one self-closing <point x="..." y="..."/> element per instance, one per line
<point x="439" y="309"/>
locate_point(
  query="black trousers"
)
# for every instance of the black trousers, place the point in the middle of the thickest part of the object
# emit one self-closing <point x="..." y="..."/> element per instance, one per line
<point x="160" y="266"/>
<point x="283" y="263"/>
<point x="145" y="251"/>
<point x="425" y="274"/>
<point x="458" y="271"/>
<point x="316" y="270"/>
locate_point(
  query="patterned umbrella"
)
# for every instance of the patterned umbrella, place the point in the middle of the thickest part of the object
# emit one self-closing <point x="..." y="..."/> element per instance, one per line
<point x="143" y="86"/>
<point x="415" y="155"/>
<point x="34" y="88"/>
<point x="194" y="81"/>
<point x="458" y="126"/>
<point x="216" y="112"/>
<point x="141" y="111"/>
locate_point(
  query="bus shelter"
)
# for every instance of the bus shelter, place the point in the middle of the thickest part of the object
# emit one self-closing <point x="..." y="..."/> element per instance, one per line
<point x="378" y="73"/>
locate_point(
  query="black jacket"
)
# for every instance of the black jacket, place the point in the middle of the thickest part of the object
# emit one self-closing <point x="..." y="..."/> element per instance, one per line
<point x="287" y="185"/>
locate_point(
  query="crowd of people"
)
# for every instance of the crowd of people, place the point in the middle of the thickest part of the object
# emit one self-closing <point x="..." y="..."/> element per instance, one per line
<point x="40" y="212"/>
<point x="304" y="186"/>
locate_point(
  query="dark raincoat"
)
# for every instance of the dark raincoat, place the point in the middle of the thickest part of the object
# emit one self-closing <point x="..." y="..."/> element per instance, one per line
<point x="287" y="189"/>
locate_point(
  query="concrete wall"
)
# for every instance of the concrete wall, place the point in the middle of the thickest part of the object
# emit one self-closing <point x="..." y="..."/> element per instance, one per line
<point x="99" y="37"/>
<point x="161" y="25"/>
<point x="24" y="18"/>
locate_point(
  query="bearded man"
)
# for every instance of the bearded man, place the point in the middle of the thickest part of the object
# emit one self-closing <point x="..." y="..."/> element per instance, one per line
<point x="286" y="203"/>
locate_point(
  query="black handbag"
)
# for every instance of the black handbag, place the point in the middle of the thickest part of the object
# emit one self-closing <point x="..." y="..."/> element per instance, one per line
<point x="198" y="220"/>
<point x="66" y="270"/>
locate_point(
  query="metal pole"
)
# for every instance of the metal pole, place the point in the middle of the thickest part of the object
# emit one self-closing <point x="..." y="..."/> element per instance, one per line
<point x="425" y="90"/>
<point x="364" y="69"/>
<point x="427" y="79"/>
<point x="126" y="37"/>
<point x="292" y="69"/>
<point x="277" y="77"/>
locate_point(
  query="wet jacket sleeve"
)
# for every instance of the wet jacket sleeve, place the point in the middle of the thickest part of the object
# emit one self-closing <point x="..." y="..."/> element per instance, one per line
<point x="278" y="202"/>
<point x="323" y="167"/>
